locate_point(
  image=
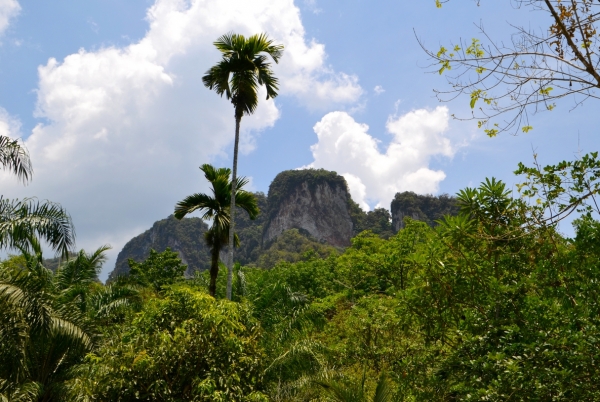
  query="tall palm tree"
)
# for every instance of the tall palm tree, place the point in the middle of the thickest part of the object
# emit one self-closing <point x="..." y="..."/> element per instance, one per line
<point x="218" y="207"/>
<point x="242" y="69"/>
<point x="21" y="221"/>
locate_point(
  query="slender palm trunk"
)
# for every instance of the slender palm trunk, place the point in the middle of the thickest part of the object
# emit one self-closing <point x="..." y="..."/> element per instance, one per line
<point x="238" y="119"/>
<point x="214" y="272"/>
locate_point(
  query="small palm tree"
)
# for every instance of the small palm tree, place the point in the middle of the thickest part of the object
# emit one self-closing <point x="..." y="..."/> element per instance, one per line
<point x="217" y="207"/>
<point x="238" y="75"/>
<point x="48" y="322"/>
<point x="40" y="338"/>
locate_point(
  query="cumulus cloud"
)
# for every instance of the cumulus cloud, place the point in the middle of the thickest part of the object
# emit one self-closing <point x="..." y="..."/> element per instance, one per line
<point x="8" y="10"/>
<point x="126" y="128"/>
<point x="345" y="146"/>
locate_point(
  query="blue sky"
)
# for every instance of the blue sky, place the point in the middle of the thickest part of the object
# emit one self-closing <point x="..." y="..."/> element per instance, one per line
<point x="108" y="96"/>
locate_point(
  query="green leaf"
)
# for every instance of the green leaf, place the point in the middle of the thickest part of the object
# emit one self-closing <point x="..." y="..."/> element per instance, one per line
<point x="526" y="129"/>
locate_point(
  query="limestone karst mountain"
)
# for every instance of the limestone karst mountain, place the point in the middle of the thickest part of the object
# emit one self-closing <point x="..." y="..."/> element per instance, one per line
<point x="314" y="201"/>
<point x="305" y="211"/>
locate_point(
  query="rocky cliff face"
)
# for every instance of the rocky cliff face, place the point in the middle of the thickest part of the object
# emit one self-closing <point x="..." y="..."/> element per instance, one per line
<point x="426" y="208"/>
<point x="185" y="236"/>
<point x="315" y="201"/>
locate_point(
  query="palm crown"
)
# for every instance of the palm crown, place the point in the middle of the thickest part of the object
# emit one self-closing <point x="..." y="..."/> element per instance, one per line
<point x="243" y="69"/>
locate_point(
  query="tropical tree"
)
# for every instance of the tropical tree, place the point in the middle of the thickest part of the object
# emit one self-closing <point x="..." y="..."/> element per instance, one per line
<point x="158" y="270"/>
<point x="185" y="346"/>
<point x="242" y="69"/>
<point x="217" y="208"/>
<point x="48" y="321"/>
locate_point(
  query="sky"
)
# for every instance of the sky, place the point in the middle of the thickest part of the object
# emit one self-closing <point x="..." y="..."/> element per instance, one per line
<point x="108" y="98"/>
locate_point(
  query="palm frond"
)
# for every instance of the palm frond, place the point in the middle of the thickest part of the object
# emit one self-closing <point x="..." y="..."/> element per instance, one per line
<point x="247" y="201"/>
<point x="217" y="78"/>
<point x="383" y="391"/>
<point x="342" y="392"/>
<point x="24" y="392"/>
<point x="81" y="270"/>
<point x="20" y="220"/>
<point x="112" y="299"/>
<point x="15" y="158"/>
<point x="261" y="43"/>
<point x="67" y="329"/>
<point x="197" y="202"/>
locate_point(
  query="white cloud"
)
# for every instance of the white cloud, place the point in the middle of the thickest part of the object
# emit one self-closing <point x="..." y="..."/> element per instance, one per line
<point x="9" y="126"/>
<point x="378" y="90"/>
<point x="373" y="176"/>
<point x="128" y="127"/>
<point x="8" y="10"/>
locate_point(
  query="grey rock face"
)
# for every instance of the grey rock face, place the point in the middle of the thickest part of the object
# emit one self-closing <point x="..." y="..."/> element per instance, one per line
<point x="186" y="237"/>
<point x="317" y="204"/>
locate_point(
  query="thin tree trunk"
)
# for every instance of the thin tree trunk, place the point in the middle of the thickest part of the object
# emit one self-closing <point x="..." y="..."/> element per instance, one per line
<point x="238" y="119"/>
<point x="214" y="272"/>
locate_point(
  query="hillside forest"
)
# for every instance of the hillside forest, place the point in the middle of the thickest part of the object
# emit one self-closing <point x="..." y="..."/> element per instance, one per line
<point x="485" y="301"/>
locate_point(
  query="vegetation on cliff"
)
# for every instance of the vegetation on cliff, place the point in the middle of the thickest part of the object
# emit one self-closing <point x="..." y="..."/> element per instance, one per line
<point x="287" y="181"/>
<point x="426" y="208"/>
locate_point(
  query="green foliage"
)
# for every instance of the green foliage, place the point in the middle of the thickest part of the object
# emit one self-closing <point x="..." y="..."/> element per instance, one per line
<point x="292" y="246"/>
<point x="158" y="270"/>
<point x="559" y="190"/>
<point x="340" y="391"/>
<point x="184" y="347"/>
<point x="378" y="221"/>
<point x="48" y="322"/>
<point x="426" y="208"/>
<point x="492" y="303"/>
